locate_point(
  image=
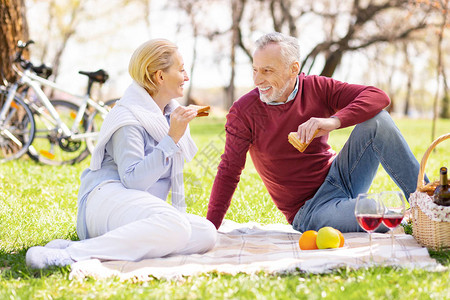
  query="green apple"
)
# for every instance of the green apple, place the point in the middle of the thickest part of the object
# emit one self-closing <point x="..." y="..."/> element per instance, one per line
<point x="327" y="237"/>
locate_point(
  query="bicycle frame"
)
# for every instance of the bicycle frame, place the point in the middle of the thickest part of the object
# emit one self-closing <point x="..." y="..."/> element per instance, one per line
<point x="7" y="104"/>
<point x="3" y="111"/>
<point x="35" y="82"/>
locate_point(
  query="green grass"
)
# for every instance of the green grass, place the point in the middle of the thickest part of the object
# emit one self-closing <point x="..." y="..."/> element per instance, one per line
<point x="38" y="204"/>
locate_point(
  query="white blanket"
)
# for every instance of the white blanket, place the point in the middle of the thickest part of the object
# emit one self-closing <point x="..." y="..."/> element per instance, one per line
<point x="250" y="248"/>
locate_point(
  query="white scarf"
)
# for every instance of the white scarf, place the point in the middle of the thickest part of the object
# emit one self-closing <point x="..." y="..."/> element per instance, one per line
<point x="137" y="107"/>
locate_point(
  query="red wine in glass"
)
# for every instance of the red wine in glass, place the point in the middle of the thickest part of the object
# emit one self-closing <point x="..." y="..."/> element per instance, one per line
<point x="392" y="221"/>
<point x="369" y="212"/>
<point x="369" y="222"/>
<point x="394" y="210"/>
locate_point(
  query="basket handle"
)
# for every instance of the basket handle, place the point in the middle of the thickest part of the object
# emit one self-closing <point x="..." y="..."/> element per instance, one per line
<point x="420" y="178"/>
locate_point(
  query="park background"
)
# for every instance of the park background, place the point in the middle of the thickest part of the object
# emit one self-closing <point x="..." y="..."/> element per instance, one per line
<point x="400" y="46"/>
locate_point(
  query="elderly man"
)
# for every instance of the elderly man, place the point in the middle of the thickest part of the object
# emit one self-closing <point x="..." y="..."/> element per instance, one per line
<point x="318" y="187"/>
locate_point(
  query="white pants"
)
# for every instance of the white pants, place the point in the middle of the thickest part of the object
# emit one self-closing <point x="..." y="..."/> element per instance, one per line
<point x="132" y="225"/>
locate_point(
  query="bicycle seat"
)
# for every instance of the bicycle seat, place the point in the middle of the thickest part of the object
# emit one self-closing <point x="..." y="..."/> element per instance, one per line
<point x="98" y="76"/>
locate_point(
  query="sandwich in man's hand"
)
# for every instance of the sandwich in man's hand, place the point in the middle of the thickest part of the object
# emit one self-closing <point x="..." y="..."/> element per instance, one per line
<point x="295" y="141"/>
<point x="202" y="110"/>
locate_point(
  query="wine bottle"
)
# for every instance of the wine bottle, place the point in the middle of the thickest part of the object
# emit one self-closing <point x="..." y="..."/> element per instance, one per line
<point x="442" y="192"/>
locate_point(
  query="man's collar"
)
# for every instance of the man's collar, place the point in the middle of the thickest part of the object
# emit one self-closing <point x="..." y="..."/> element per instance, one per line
<point x="291" y="96"/>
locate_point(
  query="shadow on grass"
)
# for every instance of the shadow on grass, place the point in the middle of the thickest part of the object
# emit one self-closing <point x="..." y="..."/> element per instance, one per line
<point x="443" y="257"/>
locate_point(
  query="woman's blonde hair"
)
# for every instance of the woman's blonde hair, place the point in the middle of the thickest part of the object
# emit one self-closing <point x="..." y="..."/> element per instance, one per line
<point x="147" y="59"/>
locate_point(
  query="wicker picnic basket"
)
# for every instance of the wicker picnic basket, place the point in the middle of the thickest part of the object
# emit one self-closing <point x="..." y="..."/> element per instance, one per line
<point x="431" y="222"/>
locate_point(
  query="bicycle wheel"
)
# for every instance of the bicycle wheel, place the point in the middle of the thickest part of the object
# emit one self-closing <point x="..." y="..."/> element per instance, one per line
<point x="17" y="130"/>
<point x="50" y="147"/>
<point x="95" y="121"/>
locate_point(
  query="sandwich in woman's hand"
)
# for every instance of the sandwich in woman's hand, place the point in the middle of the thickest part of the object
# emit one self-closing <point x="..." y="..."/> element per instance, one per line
<point x="202" y="110"/>
<point x="295" y="141"/>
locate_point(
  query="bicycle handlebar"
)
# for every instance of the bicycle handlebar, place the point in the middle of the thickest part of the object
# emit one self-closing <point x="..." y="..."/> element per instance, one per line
<point x="22" y="46"/>
<point x="42" y="70"/>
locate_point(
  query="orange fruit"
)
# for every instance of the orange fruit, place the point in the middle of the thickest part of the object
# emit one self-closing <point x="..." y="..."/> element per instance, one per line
<point x="342" y="240"/>
<point x="307" y="240"/>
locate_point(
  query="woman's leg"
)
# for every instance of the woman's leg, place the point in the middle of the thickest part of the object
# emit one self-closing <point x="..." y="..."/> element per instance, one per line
<point x="203" y="235"/>
<point x="130" y="225"/>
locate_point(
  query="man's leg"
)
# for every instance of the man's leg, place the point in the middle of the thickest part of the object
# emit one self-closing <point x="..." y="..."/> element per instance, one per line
<point x="375" y="141"/>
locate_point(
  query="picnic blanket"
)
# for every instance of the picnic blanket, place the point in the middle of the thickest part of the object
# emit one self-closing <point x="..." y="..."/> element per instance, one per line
<point x="250" y="248"/>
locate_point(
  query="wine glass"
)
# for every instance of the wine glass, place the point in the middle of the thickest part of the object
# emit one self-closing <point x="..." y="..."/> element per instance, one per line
<point x="369" y="214"/>
<point x="394" y="211"/>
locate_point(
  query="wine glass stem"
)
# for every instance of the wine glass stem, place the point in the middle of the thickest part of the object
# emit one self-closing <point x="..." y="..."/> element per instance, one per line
<point x="370" y="247"/>
<point x="392" y="244"/>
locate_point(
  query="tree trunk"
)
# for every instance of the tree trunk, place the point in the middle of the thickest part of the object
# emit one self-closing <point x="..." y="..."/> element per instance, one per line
<point x="445" y="114"/>
<point x="410" y="72"/>
<point x="13" y="27"/>
<point x="230" y="88"/>
<point x="445" y="107"/>
<point x="408" y="96"/>
<point x="439" y="69"/>
<point x="332" y="62"/>
<point x="191" y="100"/>
<point x="237" y="8"/>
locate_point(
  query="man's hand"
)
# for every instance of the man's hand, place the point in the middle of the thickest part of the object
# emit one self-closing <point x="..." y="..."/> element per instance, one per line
<point x="325" y="125"/>
<point x="179" y="119"/>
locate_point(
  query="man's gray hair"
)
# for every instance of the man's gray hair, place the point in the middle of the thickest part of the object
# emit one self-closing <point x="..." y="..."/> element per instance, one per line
<point x="290" y="49"/>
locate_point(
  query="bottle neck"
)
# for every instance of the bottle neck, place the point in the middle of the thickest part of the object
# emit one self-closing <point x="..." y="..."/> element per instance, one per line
<point x="444" y="178"/>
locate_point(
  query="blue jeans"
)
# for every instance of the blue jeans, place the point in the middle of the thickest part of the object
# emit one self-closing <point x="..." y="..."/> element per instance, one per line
<point x="372" y="142"/>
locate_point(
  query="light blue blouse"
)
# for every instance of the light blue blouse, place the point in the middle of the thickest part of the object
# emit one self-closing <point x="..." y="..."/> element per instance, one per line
<point x="137" y="160"/>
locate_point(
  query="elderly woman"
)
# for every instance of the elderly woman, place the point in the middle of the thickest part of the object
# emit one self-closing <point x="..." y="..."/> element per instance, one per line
<point x="143" y="142"/>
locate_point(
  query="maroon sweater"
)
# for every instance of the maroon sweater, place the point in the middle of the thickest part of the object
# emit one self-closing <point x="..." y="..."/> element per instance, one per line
<point x="291" y="177"/>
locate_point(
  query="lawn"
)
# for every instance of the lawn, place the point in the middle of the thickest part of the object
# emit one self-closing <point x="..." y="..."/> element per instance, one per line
<point x="38" y="204"/>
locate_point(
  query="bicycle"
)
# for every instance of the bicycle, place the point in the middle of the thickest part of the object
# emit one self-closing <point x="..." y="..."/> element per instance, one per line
<point x="65" y="131"/>
<point x="17" y="126"/>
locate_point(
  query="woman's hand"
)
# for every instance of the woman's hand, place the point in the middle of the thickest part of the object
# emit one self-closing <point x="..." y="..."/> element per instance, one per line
<point x="179" y="119"/>
<point x="324" y="125"/>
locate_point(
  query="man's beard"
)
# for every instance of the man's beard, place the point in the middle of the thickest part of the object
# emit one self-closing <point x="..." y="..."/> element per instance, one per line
<point x="275" y="95"/>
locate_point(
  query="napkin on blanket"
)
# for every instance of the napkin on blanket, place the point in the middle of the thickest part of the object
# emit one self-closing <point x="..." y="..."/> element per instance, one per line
<point x="250" y="248"/>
